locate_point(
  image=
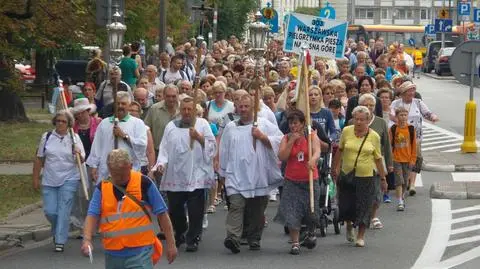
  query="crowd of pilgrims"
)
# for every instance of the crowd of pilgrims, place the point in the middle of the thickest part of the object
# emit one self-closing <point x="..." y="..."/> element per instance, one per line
<point x="205" y="151"/>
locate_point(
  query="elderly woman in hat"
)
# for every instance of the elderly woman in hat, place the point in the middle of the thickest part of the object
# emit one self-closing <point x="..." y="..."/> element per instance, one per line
<point x="56" y="154"/>
<point x="85" y="126"/>
<point x="417" y="112"/>
<point x="86" y="123"/>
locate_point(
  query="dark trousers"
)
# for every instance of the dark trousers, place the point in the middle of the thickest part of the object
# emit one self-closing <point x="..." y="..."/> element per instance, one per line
<point x="195" y="201"/>
<point x="251" y="209"/>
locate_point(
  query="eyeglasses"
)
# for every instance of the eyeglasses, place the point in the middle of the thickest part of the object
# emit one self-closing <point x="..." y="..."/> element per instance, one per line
<point x="61" y="121"/>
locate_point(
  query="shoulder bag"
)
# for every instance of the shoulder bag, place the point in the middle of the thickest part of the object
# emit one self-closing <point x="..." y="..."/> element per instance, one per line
<point x="348" y="180"/>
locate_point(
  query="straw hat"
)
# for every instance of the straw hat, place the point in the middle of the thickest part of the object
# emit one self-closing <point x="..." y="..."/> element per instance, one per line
<point x="407" y="85"/>
<point x="82" y="104"/>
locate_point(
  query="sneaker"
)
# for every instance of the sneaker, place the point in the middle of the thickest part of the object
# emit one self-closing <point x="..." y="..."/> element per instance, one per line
<point x="192" y="247"/>
<point x="412" y="191"/>
<point x="401" y="206"/>
<point x="232" y="245"/>
<point x="255" y="245"/>
<point x="225" y="207"/>
<point x="205" y="222"/>
<point x="310" y="241"/>
<point x="386" y="198"/>
<point x="295" y="250"/>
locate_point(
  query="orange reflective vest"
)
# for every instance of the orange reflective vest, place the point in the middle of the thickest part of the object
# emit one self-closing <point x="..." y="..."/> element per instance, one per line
<point x="123" y="223"/>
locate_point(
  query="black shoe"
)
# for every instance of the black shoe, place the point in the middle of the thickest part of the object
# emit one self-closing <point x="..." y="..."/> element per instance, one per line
<point x="193" y="247"/>
<point x="310" y="241"/>
<point x="255" y="245"/>
<point x="232" y="245"/>
<point x="179" y="241"/>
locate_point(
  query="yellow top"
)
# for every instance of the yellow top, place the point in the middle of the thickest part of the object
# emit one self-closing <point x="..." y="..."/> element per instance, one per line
<point x="350" y="144"/>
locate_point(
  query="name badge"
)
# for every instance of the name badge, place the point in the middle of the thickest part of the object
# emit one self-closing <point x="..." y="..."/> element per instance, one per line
<point x="300" y="156"/>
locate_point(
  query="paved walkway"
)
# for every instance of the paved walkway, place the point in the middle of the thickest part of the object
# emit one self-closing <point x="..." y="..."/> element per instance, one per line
<point x="16" y="168"/>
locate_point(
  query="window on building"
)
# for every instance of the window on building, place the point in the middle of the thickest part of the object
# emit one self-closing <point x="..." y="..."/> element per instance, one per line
<point x="364" y="13"/>
<point x="385" y="13"/>
<point x="401" y="14"/>
<point x="409" y="14"/>
<point x="423" y="14"/>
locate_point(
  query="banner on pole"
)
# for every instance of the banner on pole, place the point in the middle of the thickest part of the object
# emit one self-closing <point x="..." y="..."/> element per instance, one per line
<point x="323" y="37"/>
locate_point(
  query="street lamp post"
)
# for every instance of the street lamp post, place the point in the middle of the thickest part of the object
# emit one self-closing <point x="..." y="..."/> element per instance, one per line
<point x="257" y="35"/>
<point x="116" y="31"/>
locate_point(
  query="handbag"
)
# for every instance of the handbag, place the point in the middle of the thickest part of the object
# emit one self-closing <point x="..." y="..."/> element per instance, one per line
<point x="348" y="180"/>
<point x="157" y="244"/>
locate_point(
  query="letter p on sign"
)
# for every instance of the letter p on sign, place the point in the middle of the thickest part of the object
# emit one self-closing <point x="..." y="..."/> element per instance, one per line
<point x="476" y="15"/>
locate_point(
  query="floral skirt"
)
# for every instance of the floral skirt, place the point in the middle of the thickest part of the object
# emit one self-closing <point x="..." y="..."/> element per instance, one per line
<point x="356" y="204"/>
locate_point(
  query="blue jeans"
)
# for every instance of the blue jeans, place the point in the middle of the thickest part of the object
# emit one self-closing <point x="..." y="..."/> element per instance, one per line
<point x="140" y="261"/>
<point x="57" y="206"/>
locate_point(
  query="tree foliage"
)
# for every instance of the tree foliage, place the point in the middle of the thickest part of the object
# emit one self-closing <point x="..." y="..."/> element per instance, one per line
<point x="314" y="11"/>
<point x="232" y="17"/>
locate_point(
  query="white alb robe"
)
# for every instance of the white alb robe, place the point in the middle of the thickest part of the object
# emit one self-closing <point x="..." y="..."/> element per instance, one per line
<point x="103" y="144"/>
<point x="247" y="171"/>
<point x="186" y="169"/>
<point x="266" y="113"/>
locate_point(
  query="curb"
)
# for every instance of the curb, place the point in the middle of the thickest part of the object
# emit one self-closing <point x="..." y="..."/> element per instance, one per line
<point x="437" y="77"/>
<point x="23" y="211"/>
<point x="437" y="167"/>
<point x="455" y="190"/>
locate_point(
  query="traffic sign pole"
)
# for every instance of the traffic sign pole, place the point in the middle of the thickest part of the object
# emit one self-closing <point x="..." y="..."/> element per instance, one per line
<point x="469" y="144"/>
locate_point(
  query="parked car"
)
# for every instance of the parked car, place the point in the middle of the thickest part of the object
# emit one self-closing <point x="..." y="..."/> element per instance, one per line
<point x="27" y="73"/>
<point x="432" y="52"/>
<point x="442" y="62"/>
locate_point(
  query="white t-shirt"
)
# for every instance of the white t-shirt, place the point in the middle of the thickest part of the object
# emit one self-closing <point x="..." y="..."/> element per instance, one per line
<point x="171" y="77"/>
<point x="215" y="115"/>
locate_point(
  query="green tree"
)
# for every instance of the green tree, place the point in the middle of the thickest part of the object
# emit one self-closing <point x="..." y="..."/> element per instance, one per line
<point x="48" y="26"/>
<point x="232" y="17"/>
<point x="314" y="11"/>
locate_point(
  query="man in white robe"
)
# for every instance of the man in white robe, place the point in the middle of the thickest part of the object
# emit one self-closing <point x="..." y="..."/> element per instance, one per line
<point x="130" y="132"/>
<point x="187" y="172"/>
<point x="250" y="173"/>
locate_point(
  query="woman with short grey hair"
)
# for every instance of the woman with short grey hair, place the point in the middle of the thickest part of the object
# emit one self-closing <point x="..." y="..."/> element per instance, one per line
<point x="357" y="157"/>
<point x="56" y="154"/>
<point x="379" y="125"/>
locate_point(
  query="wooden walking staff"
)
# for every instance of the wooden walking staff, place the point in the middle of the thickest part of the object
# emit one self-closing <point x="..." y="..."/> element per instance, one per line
<point x="308" y="120"/>
<point x="78" y="158"/>
<point x="256" y="106"/>
<point x="198" y="66"/>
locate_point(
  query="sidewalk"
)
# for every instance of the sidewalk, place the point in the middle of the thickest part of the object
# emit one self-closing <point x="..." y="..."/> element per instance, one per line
<point x="435" y="76"/>
<point x="453" y="162"/>
<point x="24" y="226"/>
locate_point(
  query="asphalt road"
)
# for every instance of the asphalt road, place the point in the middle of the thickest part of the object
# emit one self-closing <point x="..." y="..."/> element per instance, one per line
<point x="429" y="234"/>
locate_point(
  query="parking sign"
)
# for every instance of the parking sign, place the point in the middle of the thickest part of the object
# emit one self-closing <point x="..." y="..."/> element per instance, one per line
<point x="430" y="29"/>
<point x="476" y="15"/>
<point x="464" y="10"/>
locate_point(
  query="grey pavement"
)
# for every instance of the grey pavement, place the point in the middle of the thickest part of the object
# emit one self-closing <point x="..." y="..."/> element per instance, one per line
<point x="451" y="161"/>
<point x="396" y="246"/>
<point x="435" y="76"/>
<point x="16" y="168"/>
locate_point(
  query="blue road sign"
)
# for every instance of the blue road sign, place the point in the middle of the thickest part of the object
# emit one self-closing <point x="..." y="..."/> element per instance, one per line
<point x="328" y="12"/>
<point x="411" y="42"/>
<point x="430" y="29"/>
<point x="476" y="15"/>
<point x="443" y="25"/>
<point x="464" y="9"/>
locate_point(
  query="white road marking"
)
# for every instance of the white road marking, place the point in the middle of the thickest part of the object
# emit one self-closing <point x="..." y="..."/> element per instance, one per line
<point x="418" y="181"/>
<point x="440" y="232"/>
<point x="438" y="236"/>
<point x="465" y="229"/>
<point x="443" y="146"/>
<point x="463" y="241"/>
<point x="435" y="137"/>
<point x="466" y="209"/>
<point x="464" y="219"/>
<point x="466" y="177"/>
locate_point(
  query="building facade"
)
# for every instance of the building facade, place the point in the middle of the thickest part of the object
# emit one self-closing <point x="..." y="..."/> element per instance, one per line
<point x="399" y="12"/>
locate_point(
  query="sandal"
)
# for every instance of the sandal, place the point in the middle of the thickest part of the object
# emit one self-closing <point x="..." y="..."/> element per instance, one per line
<point x="211" y="209"/>
<point x="295" y="250"/>
<point x="59" y="247"/>
<point x="377" y="224"/>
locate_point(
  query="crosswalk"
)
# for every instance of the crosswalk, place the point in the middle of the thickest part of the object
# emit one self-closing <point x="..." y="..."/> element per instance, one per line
<point x="439" y="139"/>
<point x="450" y="228"/>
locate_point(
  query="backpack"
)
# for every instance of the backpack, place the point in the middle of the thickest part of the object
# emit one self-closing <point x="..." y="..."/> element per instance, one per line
<point x="182" y="73"/>
<point x="411" y="132"/>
